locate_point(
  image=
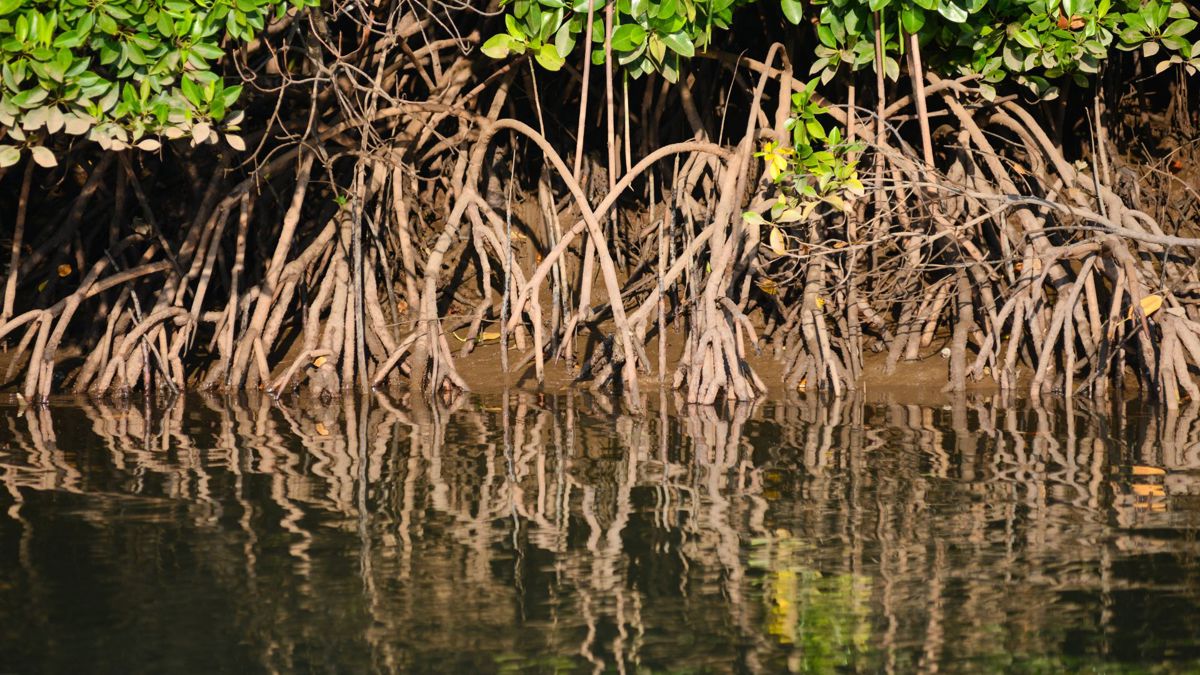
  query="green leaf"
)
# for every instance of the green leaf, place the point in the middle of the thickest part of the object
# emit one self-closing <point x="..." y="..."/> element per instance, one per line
<point x="1180" y="28"/>
<point x="681" y="44"/>
<point x="497" y="46"/>
<point x="628" y="37"/>
<point x="9" y="155"/>
<point x="208" y="51"/>
<point x="793" y="11"/>
<point x="564" y="41"/>
<point x="912" y="18"/>
<point x="548" y="57"/>
<point x="753" y="218"/>
<point x="952" y="11"/>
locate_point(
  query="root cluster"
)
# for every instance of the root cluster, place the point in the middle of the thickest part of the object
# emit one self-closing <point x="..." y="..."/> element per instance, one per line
<point x="400" y="196"/>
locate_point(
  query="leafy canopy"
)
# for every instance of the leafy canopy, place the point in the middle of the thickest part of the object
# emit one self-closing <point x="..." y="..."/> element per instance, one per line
<point x="120" y="71"/>
<point x="1037" y="43"/>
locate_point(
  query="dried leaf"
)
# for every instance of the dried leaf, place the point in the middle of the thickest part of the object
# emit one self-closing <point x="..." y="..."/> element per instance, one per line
<point x="1139" y="470"/>
<point x="767" y="286"/>
<point x="319" y="361"/>
<point x="1150" y="304"/>
<point x="322" y="430"/>
<point x="64" y="270"/>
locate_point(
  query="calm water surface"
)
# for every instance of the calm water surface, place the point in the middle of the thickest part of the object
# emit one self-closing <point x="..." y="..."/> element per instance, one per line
<point x="550" y="534"/>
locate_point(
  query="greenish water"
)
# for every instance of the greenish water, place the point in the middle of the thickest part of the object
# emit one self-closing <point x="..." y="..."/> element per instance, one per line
<point x="550" y="534"/>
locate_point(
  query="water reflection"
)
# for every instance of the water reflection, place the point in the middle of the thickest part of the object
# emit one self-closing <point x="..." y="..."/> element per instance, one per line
<point x="550" y="534"/>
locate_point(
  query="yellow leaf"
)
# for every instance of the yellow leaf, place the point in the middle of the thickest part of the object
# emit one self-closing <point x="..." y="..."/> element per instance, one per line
<point x="767" y="286"/>
<point x="322" y="430"/>
<point x="820" y="303"/>
<point x="778" y="242"/>
<point x="841" y="244"/>
<point x="488" y="335"/>
<point x="64" y="270"/>
<point x="319" y="361"/>
<point x="42" y="286"/>
<point x="777" y="166"/>
<point x="1139" y="470"/>
<point x="1150" y="304"/>
<point x="836" y="202"/>
<point x="789" y="216"/>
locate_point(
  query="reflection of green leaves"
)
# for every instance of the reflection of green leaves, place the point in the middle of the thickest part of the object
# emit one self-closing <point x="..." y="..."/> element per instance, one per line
<point x="825" y="618"/>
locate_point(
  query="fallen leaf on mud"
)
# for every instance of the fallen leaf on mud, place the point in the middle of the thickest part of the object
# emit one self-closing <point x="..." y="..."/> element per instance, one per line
<point x="64" y="270"/>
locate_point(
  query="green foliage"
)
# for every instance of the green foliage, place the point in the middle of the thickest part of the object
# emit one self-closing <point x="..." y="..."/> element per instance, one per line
<point x="648" y="35"/>
<point x="826" y="619"/>
<point x="1036" y="43"/>
<point x="120" y="71"/>
<point x="816" y="168"/>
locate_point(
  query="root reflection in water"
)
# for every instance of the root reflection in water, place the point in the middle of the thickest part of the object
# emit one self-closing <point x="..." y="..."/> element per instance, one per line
<point x="555" y="533"/>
